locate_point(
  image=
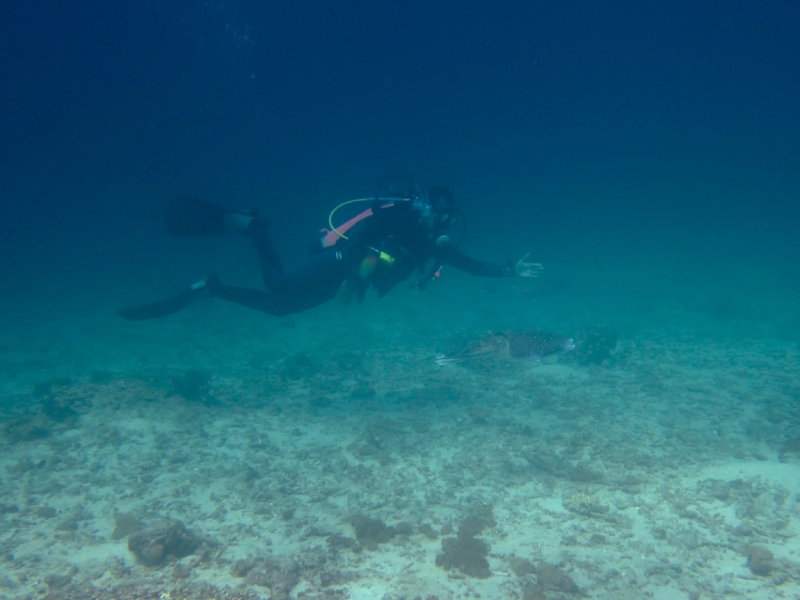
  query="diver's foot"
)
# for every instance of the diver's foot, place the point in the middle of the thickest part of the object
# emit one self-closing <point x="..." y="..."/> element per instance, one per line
<point x="245" y="223"/>
<point x="205" y="287"/>
<point x="239" y="221"/>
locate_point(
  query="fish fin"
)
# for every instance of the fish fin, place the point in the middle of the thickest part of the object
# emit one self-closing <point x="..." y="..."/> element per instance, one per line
<point x="443" y="359"/>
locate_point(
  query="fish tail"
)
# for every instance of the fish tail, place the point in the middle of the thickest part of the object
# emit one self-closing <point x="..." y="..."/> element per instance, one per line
<point x="444" y="359"/>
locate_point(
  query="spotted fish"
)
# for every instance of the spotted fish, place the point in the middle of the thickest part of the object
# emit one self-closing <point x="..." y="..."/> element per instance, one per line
<point x="519" y="343"/>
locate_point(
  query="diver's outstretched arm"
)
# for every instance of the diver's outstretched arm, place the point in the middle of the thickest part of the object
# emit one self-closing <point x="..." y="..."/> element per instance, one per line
<point x="479" y="268"/>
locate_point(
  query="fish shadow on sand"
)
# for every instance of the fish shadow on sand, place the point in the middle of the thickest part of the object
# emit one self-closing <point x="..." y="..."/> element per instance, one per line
<point x="518" y="343"/>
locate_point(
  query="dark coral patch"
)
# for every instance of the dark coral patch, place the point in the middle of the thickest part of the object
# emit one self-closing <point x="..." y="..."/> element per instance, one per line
<point x="467" y="554"/>
<point x="158" y="543"/>
<point x="371" y="532"/>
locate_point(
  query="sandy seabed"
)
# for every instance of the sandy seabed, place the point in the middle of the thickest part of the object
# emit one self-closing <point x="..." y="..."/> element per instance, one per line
<point x="670" y="469"/>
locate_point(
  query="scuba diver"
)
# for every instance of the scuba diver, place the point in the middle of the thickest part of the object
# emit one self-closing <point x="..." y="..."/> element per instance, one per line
<point x="400" y="233"/>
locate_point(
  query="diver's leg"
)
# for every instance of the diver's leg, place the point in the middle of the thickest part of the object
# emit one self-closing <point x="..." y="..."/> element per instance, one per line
<point x="324" y="271"/>
<point x="255" y="299"/>
<point x="300" y="280"/>
<point x="279" y="305"/>
<point x="273" y="304"/>
<point x="188" y="216"/>
<point x="271" y="267"/>
<point x="306" y="285"/>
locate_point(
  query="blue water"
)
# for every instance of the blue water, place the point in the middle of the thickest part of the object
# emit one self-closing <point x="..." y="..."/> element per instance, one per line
<point x="646" y="153"/>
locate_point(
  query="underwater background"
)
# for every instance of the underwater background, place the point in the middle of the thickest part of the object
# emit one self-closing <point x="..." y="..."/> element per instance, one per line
<point x="647" y="154"/>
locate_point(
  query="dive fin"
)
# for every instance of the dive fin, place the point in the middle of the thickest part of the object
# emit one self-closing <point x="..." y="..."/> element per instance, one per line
<point x="171" y="304"/>
<point x="159" y="308"/>
<point x="189" y="216"/>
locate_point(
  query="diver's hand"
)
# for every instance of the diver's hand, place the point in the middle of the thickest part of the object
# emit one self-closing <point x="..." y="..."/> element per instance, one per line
<point x="527" y="269"/>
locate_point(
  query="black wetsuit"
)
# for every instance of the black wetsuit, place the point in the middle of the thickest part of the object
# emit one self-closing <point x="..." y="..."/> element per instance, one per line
<point x="398" y="231"/>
